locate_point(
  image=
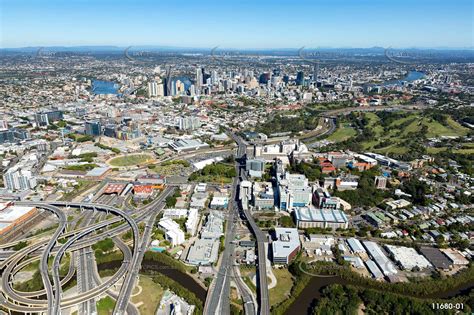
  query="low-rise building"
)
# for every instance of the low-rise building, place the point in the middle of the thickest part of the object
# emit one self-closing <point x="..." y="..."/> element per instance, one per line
<point x="203" y="252"/>
<point x="407" y="257"/>
<point x="455" y="257"/>
<point x="385" y="265"/>
<point x="213" y="228"/>
<point x="309" y="217"/>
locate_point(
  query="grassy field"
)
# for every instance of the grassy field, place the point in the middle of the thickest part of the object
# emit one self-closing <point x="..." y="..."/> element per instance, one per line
<point x="167" y="170"/>
<point x="79" y="189"/>
<point x="150" y="295"/>
<point x="132" y="159"/>
<point x="283" y="287"/>
<point x="344" y="132"/>
<point x="105" y="306"/>
<point x="398" y="132"/>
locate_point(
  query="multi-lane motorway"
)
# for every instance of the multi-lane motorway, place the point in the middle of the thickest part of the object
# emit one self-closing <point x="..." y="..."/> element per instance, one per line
<point x="262" y="284"/>
<point x="79" y="240"/>
<point x="218" y="301"/>
<point x="132" y="275"/>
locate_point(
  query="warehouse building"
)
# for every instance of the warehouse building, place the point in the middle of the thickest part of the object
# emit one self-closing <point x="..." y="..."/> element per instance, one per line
<point x="436" y="257"/>
<point x="374" y="270"/>
<point x="324" y="218"/>
<point x="455" y="257"/>
<point x="356" y="246"/>
<point x="385" y="265"/>
<point x="12" y="216"/>
<point x="407" y="257"/>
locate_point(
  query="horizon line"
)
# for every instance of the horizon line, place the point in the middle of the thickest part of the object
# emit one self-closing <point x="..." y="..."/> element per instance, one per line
<point x="232" y="48"/>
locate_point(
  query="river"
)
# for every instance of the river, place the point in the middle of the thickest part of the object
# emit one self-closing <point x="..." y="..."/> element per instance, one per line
<point x="182" y="278"/>
<point x="104" y="87"/>
<point x="410" y="77"/>
<point x="303" y="303"/>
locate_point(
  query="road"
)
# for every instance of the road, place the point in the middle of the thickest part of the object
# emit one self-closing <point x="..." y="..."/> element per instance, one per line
<point x="262" y="284"/>
<point x="247" y="295"/>
<point x="218" y="301"/>
<point x="85" y="260"/>
<point x="52" y="305"/>
<point x="129" y="282"/>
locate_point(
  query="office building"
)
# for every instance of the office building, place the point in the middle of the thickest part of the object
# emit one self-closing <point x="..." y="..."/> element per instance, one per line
<point x="203" y="252"/>
<point x="293" y="191"/>
<point x="44" y="119"/>
<point x="255" y="167"/>
<point x="285" y="246"/>
<point x="300" y="78"/>
<point x="213" y="229"/>
<point x="263" y="196"/>
<point x="93" y="128"/>
<point x="323" y="200"/>
<point x="173" y="232"/>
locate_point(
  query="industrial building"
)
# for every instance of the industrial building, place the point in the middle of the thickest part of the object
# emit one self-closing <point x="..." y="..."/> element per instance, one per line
<point x="203" y="252"/>
<point x="436" y="257"/>
<point x="374" y="270"/>
<point x="355" y="245"/>
<point x="407" y="257"/>
<point x="309" y="217"/>
<point x="12" y="216"/>
<point x="286" y="245"/>
<point x="455" y="257"/>
<point x="385" y="265"/>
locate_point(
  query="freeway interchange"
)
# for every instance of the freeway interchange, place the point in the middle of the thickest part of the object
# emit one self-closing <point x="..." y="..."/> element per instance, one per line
<point x="79" y="240"/>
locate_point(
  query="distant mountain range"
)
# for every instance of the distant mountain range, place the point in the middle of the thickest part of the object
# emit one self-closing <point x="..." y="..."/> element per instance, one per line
<point x="83" y="49"/>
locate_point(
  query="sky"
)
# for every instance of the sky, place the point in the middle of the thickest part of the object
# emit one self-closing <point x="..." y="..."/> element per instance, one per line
<point x="238" y="24"/>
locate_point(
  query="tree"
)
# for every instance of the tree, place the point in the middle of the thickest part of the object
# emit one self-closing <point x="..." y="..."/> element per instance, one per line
<point x="286" y="221"/>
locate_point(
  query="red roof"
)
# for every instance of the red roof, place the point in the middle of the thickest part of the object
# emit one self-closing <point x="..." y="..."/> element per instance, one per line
<point x="114" y="188"/>
<point x="143" y="189"/>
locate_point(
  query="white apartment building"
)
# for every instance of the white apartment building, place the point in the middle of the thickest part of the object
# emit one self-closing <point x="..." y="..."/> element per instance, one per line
<point x="173" y="232"/>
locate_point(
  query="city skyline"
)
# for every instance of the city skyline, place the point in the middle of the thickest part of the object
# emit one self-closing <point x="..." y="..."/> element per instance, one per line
<point x="274" y="25"/>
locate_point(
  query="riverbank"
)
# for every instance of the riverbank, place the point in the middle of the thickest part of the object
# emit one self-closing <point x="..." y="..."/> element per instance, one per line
<point x="456" y="287"/>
